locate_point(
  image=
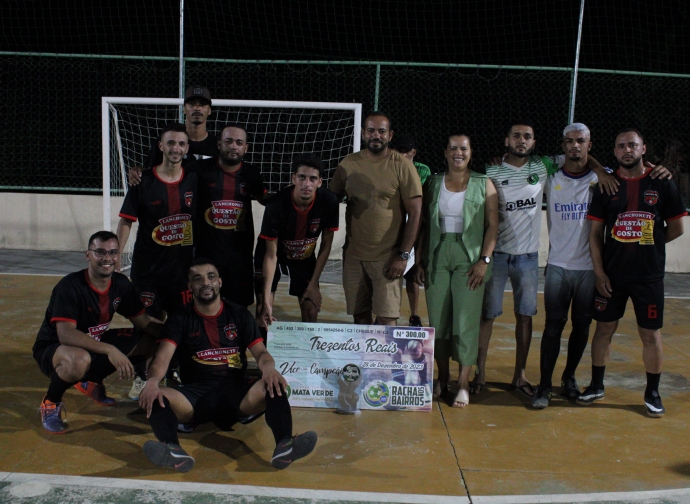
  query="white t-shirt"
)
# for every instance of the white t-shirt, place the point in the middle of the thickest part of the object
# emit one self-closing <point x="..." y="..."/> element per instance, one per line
<point x="450" y="210"/>
<point x="520" y="191"/>
<point x="568" y="199"/>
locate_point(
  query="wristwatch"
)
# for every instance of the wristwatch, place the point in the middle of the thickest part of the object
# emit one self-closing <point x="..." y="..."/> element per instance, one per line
<point x="486" y="259"/>
<point x="405" y="256"/>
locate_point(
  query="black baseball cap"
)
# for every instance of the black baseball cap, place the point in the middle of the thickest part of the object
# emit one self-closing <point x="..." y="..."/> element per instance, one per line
<point x="197" y="93"/>
<point x="403" y="143"/>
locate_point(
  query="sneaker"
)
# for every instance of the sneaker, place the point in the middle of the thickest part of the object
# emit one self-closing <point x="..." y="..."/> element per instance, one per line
<point x="415" y="321"/>
<point x="137" y="386"/>
<point x="186" y="428"/>
<point x="52" y="415"/>
<point x="655" y="408"/>
<point x="589" y="395"/>
<point x="292" y="448"/>
<point x="95" y="391"/>
<point x="571" y="390"/>
<point x="542" y="397"/>
<point x="168" y="455"/>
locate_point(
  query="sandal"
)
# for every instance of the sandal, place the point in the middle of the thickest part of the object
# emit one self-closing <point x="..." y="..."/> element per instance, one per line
<point x="462" y="399"/>
<point x="525" y="389"/>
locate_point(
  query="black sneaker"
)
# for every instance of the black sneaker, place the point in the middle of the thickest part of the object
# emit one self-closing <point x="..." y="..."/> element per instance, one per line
<point x="292" y="448"/>
<point x="655" y="408"/>
<point x="415" y="321"/>
<point x="589" y="395"/>
<point x="571" y="390"/>
<point x="168" y="455"/>
<point x="542" y="397"/>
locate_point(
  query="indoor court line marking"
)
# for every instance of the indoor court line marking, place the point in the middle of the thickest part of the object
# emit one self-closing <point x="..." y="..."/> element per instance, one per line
<point x="218" y="489"/>
<point x="683" y="494"/>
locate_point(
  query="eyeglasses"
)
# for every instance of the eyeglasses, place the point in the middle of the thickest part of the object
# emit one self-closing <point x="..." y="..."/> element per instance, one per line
<point x="101" y="253"/>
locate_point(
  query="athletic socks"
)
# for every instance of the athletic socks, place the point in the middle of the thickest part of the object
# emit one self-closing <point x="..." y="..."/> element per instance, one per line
<point x="164" y="422"/>
<point x="598" y="377"/>
<point x="279" y="416"/>
<point x="652" y="389"/>
<point x="550" y="348"/>
<point x="139" y="367"/>
<point x="57" y="388"/>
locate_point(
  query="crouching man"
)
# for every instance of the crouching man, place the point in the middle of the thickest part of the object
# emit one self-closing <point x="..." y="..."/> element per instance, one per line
<point x="211" y="337"/>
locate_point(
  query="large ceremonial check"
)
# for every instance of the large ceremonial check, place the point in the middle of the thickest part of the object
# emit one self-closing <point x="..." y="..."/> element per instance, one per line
<point x="350" y="367"/>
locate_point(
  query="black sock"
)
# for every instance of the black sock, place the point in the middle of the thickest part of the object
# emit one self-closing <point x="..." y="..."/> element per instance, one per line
<point x="139" y="364"/>
<point x="576" y="347"/>
<point x="100" y="369"/>
<point x="58" y="387"/>
<point x="164" y="422"/>
<point x="279" y="416"/>
<point x="550" y="348"/>
<point x="598" y="376"/>
<point x="652" y="384"/>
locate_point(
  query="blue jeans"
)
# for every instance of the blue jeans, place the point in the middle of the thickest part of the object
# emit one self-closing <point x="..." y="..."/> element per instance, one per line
<point x="523" y="271"/>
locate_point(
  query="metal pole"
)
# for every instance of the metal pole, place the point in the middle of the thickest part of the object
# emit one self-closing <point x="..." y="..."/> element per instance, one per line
<point x="376" y="89"/>
<point x="573" y="83"/>
<point x="181" y="93"/>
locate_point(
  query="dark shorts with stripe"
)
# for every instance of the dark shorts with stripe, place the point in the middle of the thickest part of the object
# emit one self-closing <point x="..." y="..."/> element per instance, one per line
<point x="647" y="298"/>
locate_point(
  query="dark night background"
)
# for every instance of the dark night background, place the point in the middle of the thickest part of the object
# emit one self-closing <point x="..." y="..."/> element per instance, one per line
<point x="50" y="107"/>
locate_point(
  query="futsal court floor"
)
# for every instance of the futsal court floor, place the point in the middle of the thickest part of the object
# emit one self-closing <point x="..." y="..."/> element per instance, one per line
<point x="497" y="450"/>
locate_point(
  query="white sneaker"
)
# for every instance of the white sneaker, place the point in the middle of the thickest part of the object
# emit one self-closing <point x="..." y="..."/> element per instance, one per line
<point x="137" y="386"/>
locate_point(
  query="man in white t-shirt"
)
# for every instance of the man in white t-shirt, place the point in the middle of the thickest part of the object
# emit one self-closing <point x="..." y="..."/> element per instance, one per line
<point x="569" y="273"/>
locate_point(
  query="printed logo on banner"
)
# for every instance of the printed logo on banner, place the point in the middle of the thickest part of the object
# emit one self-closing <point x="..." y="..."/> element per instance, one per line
<point x="377" y="394"/>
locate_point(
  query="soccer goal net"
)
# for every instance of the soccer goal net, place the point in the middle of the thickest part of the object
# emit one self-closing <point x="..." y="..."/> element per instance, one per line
<point x="277" y="130"/>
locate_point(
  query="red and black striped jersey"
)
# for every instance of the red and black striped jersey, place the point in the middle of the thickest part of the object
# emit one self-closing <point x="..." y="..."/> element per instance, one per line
<point x="212" y="347"/>
<point x="225" y="224"/>
<point x="634" y="243"/>
<point x="297" y="231"/>
<point x="75" y="299"/>
<point x="163" y="249"/>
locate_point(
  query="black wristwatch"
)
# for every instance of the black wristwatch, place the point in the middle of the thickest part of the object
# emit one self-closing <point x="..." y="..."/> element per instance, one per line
<point x="405" y="256"/>
<point x="486" y="259"/>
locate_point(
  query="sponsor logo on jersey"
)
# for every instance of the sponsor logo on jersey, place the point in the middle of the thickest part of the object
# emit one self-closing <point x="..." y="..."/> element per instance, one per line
<point x="97" y="332"/>
<point x="219" y="357"/>
<point x="188" y="198"/>
<point x="147" y="298"/>
<point x="634" y="226"/>
<point x="525" y="204"/>
<point x="116" y="302"/>
<point x="600" y="303"/>
<point x="651" y="197"/>
<point x="314" y="225"/>
<point x="230" y="331"/>
<point x="156" y="202"/>
<point x="299" y="249"/>
<point x="533" y="178"/>
<point x="226" y="214"/>
<point x="174" y="230"/>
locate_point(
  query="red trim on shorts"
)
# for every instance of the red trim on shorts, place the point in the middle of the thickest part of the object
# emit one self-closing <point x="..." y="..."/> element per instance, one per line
<point x="135" y="316"/>
<point x="166" y="339"/>
<point x="332" y="229"/>
<point x="128" y="217"/>
<point x="269" y="238"/>
<point x="677" y="216"/>
<point x="260" y="340"/>
<point x="591" y="217"/>
<point x="62" y="319"/>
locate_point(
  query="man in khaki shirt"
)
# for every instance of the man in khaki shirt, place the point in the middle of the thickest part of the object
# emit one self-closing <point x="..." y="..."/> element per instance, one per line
<point x="382" y="189"/>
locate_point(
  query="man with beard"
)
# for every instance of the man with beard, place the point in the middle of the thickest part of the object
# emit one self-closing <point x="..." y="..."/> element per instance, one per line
<point x="211" y="337"/>
<point x="225" y="223"/>
<point x="628" y="250"/>
<point x="382" y="189"/>
<point x="202" y="144"/>
<point x="519" y="181"/>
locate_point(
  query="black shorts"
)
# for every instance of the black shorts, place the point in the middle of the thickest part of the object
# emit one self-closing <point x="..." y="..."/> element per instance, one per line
<point x="238" y="281"/>
<point x="217" y="401"/>
<point x="123" y="339"/>
<point x="300" y="273"/>
<point x="647" y="298"/>
<point x="157" y="297"/>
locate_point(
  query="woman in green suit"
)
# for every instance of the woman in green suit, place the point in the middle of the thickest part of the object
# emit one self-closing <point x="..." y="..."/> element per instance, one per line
<point x="453" y="259"/>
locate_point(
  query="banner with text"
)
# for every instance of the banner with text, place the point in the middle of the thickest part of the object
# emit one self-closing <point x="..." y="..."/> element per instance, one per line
<point x="350" y="367"/>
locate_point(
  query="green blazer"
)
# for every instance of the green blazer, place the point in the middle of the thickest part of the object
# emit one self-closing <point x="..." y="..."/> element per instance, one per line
<point x="473" y="217"/>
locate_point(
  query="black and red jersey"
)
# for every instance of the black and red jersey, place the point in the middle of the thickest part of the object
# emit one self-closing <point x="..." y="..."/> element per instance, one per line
<point x="634" y="244"/>
<point x="212" y="347"/>
<point x="225" y="224"/>
<point x="296" y="230"/>
<point x="75" y="299"/>
<point x="202" y="149"/>
<point x="163" y="249"/>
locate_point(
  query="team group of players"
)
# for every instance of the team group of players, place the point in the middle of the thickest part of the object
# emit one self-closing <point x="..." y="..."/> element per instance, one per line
<point x="194" y="266"/>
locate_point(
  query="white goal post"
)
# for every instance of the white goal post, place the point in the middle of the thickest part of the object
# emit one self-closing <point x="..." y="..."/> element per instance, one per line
<point x="276" y="131"/>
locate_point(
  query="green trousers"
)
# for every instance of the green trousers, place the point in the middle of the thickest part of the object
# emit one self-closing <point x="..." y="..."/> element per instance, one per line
<point x="454" y="310"/>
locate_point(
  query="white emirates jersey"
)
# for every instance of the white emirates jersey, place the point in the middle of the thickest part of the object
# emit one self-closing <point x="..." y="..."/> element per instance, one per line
<point x="520" y="191"/>
<point x="568" y="197"/>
